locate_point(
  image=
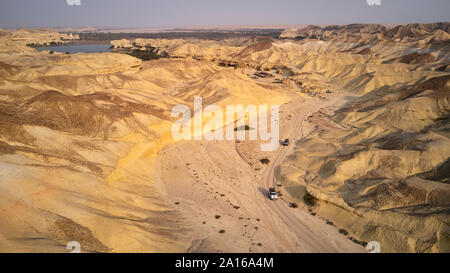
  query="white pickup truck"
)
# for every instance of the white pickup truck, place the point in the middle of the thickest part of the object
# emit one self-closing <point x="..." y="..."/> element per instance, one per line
<point x="273" y="194"/>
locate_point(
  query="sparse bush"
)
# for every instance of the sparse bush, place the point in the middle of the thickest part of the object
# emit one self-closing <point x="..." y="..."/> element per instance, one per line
<point x="356" y="241"/>
<point x="343" y="231"/>
<point x="293" y="205"/>
<point x="217" y="216"/>
<point x="145" y="55"/>
<point x="265" y="160"/>
<point x="222" y="231"/>
<point x="51" y="52"/>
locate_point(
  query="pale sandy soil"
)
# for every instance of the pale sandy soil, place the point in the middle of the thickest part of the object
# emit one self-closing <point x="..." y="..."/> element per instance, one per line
<point x="208" y="178"/>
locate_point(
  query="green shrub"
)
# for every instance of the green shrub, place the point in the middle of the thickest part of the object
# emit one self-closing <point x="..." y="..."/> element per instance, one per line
<point x="145" y="55"/>
<point x="265" y="160"/>
<point x="343" y="231"/>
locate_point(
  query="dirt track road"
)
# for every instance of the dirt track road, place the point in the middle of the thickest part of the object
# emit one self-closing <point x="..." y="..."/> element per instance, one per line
<point x="294" y="218"/>
<point x="210" y="179"/>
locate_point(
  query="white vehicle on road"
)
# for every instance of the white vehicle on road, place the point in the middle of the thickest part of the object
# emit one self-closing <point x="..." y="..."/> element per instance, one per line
<point x="273" y="194"/>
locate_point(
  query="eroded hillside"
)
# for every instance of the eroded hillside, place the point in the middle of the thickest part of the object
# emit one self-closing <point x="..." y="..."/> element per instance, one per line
<point x="380" y="162"/>
<point x="86" y="152"/>
<point x="79" y="137"/>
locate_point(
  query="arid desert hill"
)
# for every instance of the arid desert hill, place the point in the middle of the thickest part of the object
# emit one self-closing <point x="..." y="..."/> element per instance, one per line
<point x="86" y="152"/>
<point x="17" y="40"/>
<point x="381" y="164"/>
<point x="381" y="160"/>
<point x="79" y="138"/>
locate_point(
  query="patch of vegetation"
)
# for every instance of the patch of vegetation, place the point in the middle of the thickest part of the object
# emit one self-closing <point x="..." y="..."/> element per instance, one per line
<point x="177" y="203"/>
<point x="309" y="199"/>
<point x="210" y="34"/>
<point x="222" y="231"/>
<point x="51" y="52"/>
<point x="217" y="216"/>
<point x="441" y="118"/>
<point x="343" y="231"/>
<point x="356" y="241"/>
<point x="265" y="161"/>
<point x="146" y="55"/>
<point x="293" y="205"/>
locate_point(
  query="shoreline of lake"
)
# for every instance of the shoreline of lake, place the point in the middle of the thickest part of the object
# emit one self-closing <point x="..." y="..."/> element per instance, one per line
<point x="73" y="48"/>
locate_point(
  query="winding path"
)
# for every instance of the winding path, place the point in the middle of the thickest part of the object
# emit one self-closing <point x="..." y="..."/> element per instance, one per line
<point x="292" y="217"/>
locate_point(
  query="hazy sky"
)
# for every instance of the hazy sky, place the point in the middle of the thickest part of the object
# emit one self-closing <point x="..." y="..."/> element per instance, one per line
<point x="173" y="13"/>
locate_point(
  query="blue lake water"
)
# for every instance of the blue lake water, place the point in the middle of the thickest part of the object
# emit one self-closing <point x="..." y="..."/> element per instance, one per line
<point x="76" y="48"/>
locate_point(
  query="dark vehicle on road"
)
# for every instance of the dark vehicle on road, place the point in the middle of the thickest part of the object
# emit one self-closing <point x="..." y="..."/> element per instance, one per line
<point x="285" y="142"/>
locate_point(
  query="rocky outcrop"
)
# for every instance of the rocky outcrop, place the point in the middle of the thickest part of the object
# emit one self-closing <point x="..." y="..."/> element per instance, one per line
<point x="359" y="56"/>
<point x="407" y="32"/>
<point x="17" y="41"/>
<point x="379" y="167"/>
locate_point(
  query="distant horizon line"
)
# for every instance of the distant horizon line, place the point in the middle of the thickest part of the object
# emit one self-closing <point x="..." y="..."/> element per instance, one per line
<point x="214" y="27"/>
